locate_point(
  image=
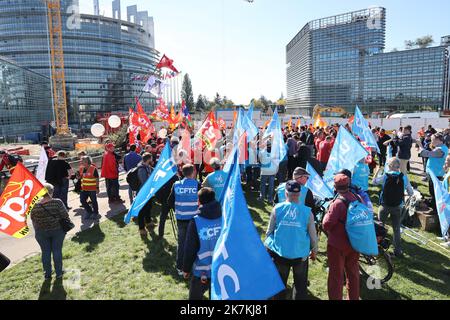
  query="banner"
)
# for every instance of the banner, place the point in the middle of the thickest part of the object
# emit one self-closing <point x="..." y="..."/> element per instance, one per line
<point x="346" y="153"/>
<point x="42" y="166"/>
<point x="165" y="169"/>
<point x="360" y="128"/>
<point x="241" y="267"/>
<point x="316" y="184"/>
<point x="279" y="150"/>
<point x="17" y="200"/>
<point x="442" y="203"/>
<point x="209" y="132"/>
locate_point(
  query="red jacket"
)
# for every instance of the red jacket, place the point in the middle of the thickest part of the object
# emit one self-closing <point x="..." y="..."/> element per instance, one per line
<point x="334" y="223"/>
<point x="110" y="169"/>
<point x="324" y="151"/>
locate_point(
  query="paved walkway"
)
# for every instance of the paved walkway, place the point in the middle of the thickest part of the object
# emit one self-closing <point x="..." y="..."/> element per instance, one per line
<point x="19" y="249"/>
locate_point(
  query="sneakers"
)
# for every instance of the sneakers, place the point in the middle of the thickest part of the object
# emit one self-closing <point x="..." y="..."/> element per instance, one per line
<point x="446" y="244"/>
<point x="180" y="272"/>
<point x="143" y="233"/>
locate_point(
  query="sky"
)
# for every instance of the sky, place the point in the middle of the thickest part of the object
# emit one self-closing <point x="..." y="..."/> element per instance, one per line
<point x="238" y="49"/>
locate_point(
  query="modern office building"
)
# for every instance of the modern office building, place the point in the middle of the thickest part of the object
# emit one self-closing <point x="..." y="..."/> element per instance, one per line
<point x="340" y="61"/>
<point x="25" y="102"/>
<point x="106" y="59"/>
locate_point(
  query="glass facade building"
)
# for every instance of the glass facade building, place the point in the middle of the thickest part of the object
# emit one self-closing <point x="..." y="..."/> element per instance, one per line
<point x="340" y="61"/>
<point x="25" y="101"/>
<point x="105" y="59"/>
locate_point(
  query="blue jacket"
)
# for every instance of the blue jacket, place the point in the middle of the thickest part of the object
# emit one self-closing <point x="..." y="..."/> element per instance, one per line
<point x="436" y="165"/>
<point x="131" y="160"/>
<point x="290" y="238"/>
<point x="210" y="211"/>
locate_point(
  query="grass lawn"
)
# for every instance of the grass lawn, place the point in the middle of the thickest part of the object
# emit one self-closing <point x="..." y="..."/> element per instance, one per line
<point x="114" y="263"/>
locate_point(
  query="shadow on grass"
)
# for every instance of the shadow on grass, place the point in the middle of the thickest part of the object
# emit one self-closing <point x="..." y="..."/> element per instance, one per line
<point x="93" y="237"/>
<point x="424" y="267"/>
<point x="160" y="257"/>
<point x="57" y="292"/>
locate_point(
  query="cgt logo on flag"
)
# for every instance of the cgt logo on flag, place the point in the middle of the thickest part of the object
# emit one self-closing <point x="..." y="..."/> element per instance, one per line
<point x="19" y="197"/>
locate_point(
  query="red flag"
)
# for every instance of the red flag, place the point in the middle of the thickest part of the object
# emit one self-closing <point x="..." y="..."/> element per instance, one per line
<point x="209" y="132"/>
<point x="17" y="200"/>
<point x="144" y="122"/>
<point x="165" y="62"/>
<point x="133" y="126"/>
<point x="161" y="113"/>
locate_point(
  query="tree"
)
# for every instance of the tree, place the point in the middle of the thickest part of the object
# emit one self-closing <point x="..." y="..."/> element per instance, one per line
<point x="266" y="103"/>
<point x="218" y="100"/>
<point x="425" y="41"/>
<point x="200" y="105"/>
<point x="187" y="94"/>
<point x="227" y="103"/>
<point x="422" y="42"/>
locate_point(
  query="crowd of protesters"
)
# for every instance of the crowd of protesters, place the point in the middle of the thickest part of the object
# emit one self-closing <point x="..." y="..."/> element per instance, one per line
<point x="195" y="192"/>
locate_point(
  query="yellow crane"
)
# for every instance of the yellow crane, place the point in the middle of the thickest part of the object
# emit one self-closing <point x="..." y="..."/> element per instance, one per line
<point x="57" y="66"/>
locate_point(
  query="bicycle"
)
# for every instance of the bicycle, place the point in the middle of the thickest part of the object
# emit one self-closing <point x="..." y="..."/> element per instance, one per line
<point x="380" y="268"/>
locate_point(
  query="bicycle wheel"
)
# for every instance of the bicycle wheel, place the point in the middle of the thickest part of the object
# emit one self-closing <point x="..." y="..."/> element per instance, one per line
<point x="378" y="267"/>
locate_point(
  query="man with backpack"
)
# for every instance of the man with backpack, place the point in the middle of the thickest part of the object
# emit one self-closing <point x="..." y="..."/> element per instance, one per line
<point x="394" y="183"/>
<point x="143" y="171"/>
<point x="130" y="161"/>
<point x="341" y="255"/>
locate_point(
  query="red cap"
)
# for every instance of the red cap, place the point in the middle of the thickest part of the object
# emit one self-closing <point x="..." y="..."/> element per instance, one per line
<point x="341" y="181"/>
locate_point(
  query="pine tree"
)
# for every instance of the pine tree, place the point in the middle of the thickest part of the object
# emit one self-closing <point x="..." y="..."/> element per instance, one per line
<point x="187" y="94"/>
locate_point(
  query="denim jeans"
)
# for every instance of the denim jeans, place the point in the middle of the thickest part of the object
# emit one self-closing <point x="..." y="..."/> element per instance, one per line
<point x="84" y="196"/>
<point x="51" y="243"/>
<point x="182" y="231"/>
<point x="112" y="188"/>
<point x="264" y="180"/>
<point x="61" y="190"/>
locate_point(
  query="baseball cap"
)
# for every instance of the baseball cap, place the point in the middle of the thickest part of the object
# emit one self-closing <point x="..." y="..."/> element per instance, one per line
<point x="293" y="186"/>
<point x="299" y="171"/>
<point x="341" y="182"/>
<point x="346" y="172"/>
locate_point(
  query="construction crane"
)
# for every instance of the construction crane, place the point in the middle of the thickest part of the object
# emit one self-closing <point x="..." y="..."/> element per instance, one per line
<point x="57" y="66"/>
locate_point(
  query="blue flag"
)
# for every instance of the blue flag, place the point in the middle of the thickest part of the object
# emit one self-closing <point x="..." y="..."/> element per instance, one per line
<point x="165" y="169"/>
<point x="278" y="150"/>
<point x="241" y="267"/>
<point x="316" y="184"/>
<point x="442" y="203"/>
<point x="388" y="156"/>
<point x="360" y="127"/>
<point x="346" y="153"/>
<point x="248" y="125"/>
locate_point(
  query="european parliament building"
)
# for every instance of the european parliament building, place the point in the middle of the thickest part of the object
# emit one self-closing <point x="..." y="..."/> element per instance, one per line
<point x="340" y="61"/>
<point x="106" y="59"/>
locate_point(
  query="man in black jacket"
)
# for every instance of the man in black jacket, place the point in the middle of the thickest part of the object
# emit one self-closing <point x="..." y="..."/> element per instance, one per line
<point x="202" y="235"/>
<point x="404" y="144"/>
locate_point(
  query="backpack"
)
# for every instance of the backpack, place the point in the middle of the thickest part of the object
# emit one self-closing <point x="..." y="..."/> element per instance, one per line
<point x="393" y="190"/>
<point x="360" y="227"/>
<point x="133" y="178"/>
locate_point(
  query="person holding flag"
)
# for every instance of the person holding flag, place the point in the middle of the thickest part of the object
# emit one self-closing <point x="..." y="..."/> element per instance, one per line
<point x="300" y="176"/>
<point x="216" y="180"/>
<point x="201" y="238"/>
<point x="184" y="199"/>
<point x="269" y="168"/>
<point x="435" y="162"/>
<point x="291" y="239"/>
